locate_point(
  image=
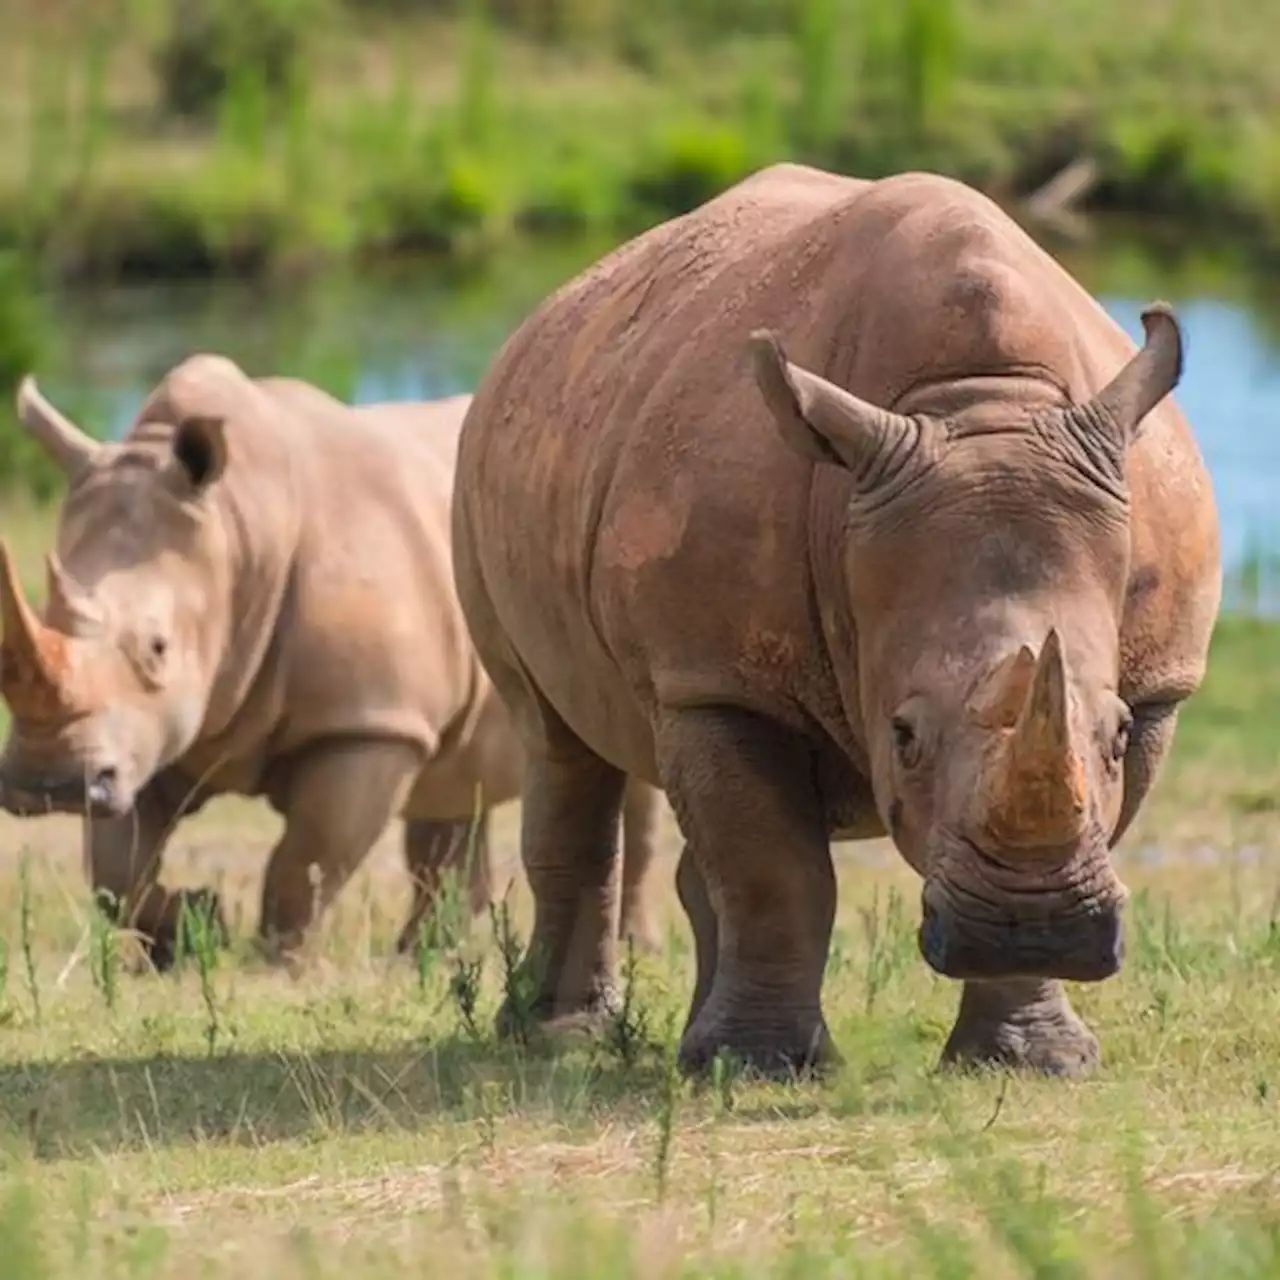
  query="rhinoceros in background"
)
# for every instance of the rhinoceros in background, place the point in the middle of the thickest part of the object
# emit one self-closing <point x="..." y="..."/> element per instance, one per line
<point x="252" y="592"/>
<point x="945" y="570"/>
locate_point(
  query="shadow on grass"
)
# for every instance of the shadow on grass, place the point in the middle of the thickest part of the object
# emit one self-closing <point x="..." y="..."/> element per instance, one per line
<point x="92" y="1105"/>
<point x="54" y="1110"/>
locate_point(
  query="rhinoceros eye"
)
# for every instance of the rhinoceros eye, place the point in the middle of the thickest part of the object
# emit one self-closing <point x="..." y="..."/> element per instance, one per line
<point x="906" y="742"/>
<point x="1120" y="743"/>
<point x="159" y="646"/>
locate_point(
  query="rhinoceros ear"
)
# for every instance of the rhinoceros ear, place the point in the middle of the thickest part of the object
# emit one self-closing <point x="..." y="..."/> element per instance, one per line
<point x="826" y="423"/>
<point x="199" y="452"/>
<point x="1138" y="388"/>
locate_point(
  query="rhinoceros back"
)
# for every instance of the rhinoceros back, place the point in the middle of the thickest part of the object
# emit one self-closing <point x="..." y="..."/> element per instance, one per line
<point x="631" y="531"/>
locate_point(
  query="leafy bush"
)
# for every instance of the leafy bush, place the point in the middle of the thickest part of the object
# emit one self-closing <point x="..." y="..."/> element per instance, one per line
<point x="213" y="46"/>
<point x="690" y="165"/>
<point x="444" y="205"/>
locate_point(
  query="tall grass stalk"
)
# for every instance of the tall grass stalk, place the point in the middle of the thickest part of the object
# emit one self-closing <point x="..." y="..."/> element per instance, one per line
<point x="27" y="927"/>
<point x="930" y="51"/>
<point x="823" y="74"/>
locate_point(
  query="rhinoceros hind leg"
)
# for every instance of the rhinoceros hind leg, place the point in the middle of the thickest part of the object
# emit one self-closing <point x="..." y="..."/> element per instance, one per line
<point x="570" y="807"/>
<point x="434" y="849"/>
<point x="337" y="800"/>
<point x="640" y="812"/>
<point x="744" y="792"/>
<point x="1021" y="1023"/>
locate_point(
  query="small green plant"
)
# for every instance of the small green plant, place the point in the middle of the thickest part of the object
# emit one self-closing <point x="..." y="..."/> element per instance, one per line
<point x="104" y="953"/>
<point x="200" y="937"/>
<point x="668" y="1110"/>
<point x="517" y="985"/>
<point x="464" y="988"/>
<point x="27" y="925"/>
<point x="628" y="1028"/>
<point x="426" y="955"/>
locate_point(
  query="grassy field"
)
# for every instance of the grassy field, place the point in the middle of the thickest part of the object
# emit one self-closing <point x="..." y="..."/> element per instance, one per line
<point x="356" y="1116"/>
<point x="422" y="125"/>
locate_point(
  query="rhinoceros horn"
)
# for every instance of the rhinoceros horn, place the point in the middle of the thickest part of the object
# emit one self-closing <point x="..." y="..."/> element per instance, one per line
<point x="827" y="423"/>
<point x="1150" y="376"/>
<point x="1035" y="793"/>
<point x="70" y="607"/>
<point x="69" y="447"/>
<point x="30" y="668"/>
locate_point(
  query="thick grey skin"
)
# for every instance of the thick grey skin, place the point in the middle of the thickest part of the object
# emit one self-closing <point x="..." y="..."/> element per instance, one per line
<point x="323" y="664"/>
<point x="623" y="499"/>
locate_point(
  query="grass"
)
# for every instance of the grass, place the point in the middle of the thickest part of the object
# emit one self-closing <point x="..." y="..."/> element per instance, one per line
<point x="427" y="126"/>
<point x="357" y="1116"/>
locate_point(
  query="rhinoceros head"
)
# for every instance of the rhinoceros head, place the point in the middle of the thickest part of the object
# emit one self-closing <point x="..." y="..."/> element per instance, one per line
<point x="111" y="680"/>
<point x="986" y="563"/>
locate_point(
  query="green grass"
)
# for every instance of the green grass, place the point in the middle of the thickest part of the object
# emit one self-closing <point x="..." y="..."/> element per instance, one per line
<point x="355" y="1117"/>
<point x="350" y="1116"/>
<point x="429" y="126"/>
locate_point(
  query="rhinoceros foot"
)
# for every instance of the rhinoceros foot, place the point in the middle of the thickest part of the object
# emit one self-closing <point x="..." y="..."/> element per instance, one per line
<point x="799" y="1045"/>
<point x="1023" y="1024"/>
<point x="521" y="1013"/>
<point x="186" y="913"/>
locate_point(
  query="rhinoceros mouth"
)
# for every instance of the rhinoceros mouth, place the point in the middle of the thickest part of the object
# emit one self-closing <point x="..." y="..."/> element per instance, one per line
<point x="1016" y="938"/>
<point x="94" y="795"/>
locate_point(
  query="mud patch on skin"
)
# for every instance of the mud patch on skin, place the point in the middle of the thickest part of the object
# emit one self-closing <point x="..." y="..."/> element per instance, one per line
<point x="1142" y="583"/>
<point x="646" y="527"/>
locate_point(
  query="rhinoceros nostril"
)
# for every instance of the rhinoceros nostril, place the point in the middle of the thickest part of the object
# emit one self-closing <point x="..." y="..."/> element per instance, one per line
<point x="102" y="786"/>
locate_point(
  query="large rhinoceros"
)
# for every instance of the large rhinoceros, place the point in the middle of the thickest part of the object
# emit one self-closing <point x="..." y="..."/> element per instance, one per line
<point x="945" y="570"/>
<point x="252" y="592"/>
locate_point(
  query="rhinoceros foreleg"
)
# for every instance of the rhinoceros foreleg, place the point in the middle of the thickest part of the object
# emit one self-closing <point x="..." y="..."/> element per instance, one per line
<point x="124" y="857"/>
<point x="434" y="849"/>
<point x="1025" y="1023"/>
<point x="745" y="794"/>
<point x="571" y="802"/>
<point x="337" y="800"/>
<point x="640" y="813"/>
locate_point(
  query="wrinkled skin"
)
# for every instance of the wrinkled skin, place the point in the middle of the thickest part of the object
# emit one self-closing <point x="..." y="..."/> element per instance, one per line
<point x="838" y="509"/>
<point x="252" y="593"/>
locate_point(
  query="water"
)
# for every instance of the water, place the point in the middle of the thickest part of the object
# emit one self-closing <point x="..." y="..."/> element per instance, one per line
<point x="415" y="331"/>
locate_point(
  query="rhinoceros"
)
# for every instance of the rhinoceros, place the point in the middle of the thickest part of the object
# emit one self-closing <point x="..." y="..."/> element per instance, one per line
<point x="252" y="593"/>
<point x="839" y="509"/>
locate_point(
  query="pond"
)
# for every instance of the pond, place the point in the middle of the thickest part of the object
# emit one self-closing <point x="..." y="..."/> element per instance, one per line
<point x="418" y="331"/>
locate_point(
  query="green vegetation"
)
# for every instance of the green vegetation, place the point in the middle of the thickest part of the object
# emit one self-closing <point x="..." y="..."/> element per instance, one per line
<point x="357" y="1116"/>
<point x="167" y="138"/>
<point x="179" y="136"/>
